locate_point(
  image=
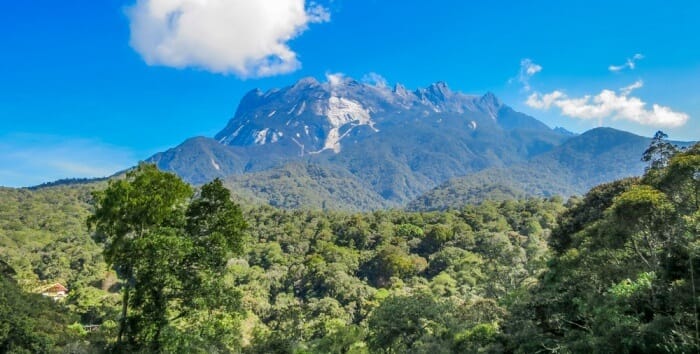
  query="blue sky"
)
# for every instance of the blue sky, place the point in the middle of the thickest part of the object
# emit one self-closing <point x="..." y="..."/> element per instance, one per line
<point x="90" y="87"/>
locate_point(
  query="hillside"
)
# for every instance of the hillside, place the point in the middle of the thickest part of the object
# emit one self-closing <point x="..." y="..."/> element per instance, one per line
<point x="594" y="157"/>
<point x="307" y="186"/>
<point x="43" y="235"/>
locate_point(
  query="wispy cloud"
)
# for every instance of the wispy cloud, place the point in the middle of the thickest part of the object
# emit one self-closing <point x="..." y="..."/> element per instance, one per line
<point x="625" y="91"/>
<point x="335" y="79"/>
<point x="630" y="64"/>
<point x="528" y="69"/>
<point x="30" y="159"/>
<point x="375" y="79"/>
<point x="610" y="104"/>
<point x="245" y="38"/>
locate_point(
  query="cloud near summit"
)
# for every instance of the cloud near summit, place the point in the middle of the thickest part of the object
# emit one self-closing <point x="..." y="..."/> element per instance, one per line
<point x="247" y="38"/>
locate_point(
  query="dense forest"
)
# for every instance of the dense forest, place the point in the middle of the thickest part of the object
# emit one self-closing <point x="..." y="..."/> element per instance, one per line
<point x="155" y="265"/>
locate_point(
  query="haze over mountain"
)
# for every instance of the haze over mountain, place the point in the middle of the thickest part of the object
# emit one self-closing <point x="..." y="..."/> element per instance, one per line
<point x="345" y="144"/>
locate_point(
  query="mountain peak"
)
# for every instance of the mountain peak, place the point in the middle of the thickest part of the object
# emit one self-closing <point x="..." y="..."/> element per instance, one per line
<point x="437" y="93"/>
<point x="490" y="104"/>
<point x="250" y="99"/>
<point x="490" y="99"/>
<point x="306" y="82"/>
<point x="400" y="90"/>
<point x="440" y="89"/>
<point x="564" y="131"/>
<point x="312" y="116"/>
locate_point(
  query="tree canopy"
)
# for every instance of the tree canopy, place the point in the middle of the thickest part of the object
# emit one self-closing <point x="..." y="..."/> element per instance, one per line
<point x="192" y="271"/>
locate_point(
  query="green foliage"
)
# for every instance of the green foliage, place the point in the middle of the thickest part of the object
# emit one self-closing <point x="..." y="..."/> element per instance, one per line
<point x="308" y="281"/>
<point x="30" y="323"/>
<point x="628" y="288"/>
<point x="308" y="186"/>
<point x="44" y="238"/>
<point x="621" y="275"/>
<point x="624" y="278"/>
<point x="170" y="253"/>
<point x="401" y="323"/>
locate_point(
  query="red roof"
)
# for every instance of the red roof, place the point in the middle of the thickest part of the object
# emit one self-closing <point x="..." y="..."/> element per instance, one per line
<point x="55" y="288"/>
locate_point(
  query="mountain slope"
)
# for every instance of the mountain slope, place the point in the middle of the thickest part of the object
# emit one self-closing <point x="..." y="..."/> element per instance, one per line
<point x="594" y="157"/>
<point x="199" y="160"/>
<point x="303" y="185"/>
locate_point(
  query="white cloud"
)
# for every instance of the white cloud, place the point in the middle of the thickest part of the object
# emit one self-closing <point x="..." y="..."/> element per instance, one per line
<point x="528" y="69"/>
<point x="335" y="83"/>
<point x="544" y="101"/>
<point x="248" y="38"/>
<point x="610" y="104"/>
<point x="29" y="159"/>
<point x="631" y="63"/>
<point x="375" y="79"/>
<point x="625" y="91"/>
<point x="335" y="79"/>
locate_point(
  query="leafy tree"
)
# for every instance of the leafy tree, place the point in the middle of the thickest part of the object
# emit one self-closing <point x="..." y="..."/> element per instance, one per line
<point x="437" y="237"/>
<point x="401" y="323"/>
<point x="342" y="339"/>
<point x="168" y="254"/>
<point x="659" y="151"/>
<point x="392" y="261"/>
<point x="137" y="217"/>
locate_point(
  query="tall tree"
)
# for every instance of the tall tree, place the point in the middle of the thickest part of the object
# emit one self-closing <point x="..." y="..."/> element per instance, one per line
<point x="131" y="217"/>
<point x="167" y="248"/>
<point x="659" y="151"/>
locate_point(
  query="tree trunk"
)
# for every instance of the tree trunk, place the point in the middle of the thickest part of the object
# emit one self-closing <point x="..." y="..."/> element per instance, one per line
<point x="122" y="322"/>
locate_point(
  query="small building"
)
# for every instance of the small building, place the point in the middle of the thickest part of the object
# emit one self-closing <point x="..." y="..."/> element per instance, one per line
<point x="55" y="291"/>
<point x="91" y="328"/>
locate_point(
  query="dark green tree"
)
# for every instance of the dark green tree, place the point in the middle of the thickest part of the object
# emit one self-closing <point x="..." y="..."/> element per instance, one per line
<point x="166" y="248"/>
<point x="402" y="322"/>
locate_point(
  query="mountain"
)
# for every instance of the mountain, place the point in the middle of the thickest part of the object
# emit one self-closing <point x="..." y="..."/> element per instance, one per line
<point x="315" y="118"/>
<point x="344" y="144"/>
<point x="393" y="142"/>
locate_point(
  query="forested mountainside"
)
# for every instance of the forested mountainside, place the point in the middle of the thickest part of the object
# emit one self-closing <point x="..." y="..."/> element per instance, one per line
<point x="303" y="185"/>
<point x="166" y="268"/>
<point x="582" y="162"/>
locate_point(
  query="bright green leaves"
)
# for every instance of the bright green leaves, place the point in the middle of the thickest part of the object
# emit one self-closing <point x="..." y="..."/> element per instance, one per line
<point x="644" y="204"/>
<point x="628" y="288"/>
<point x="392" y="261"/>
<point x="130" y="207"/>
